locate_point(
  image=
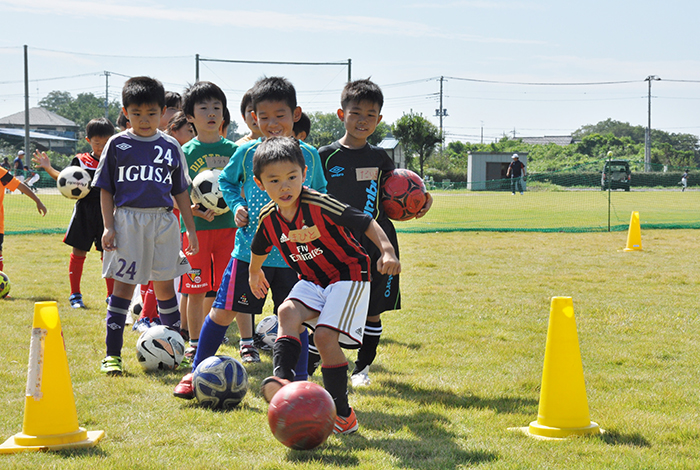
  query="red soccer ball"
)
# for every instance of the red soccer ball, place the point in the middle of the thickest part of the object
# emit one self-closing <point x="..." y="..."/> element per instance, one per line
<point x="403" y="194"/>
<point x="301" y="415"/>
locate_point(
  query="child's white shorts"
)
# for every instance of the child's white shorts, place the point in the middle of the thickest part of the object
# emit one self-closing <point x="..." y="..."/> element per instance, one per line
<point x="342" y="307"/>
<point x="148" y="247"/>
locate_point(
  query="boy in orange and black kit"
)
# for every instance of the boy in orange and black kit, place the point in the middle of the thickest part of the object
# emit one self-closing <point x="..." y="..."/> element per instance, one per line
<point x="354" y="171"/>
<point x="86" y="226"/>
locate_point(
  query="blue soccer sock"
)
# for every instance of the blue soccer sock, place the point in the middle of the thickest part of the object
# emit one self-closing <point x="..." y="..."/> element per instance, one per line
<point x="210" y="338"/>
<point x="303" y="362"/>
<point x="169" y="313"/>
<point x="116" y="318"/>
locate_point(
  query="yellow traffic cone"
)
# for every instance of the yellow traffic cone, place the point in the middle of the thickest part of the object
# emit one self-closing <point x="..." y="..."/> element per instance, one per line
<point x="563" y="409"/>
<point x="50" y="419"/>
<point x="634" y="236"/>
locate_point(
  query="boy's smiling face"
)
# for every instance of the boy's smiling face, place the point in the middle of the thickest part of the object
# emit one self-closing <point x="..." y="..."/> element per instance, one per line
<point x="144" y="118"/>
<point x="360" y="119"/>
<point x="276" y="118"/>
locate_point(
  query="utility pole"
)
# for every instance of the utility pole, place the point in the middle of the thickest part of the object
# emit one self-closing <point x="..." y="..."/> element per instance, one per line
<point x="647" y="134"/>
<point x="106" y="94"/>
<point x="196" y="68"/>
<point x="349" y="70"/>
<point x="27" y="158"/>
<point x="482" y="132"/>
<point x="441" y="112"/>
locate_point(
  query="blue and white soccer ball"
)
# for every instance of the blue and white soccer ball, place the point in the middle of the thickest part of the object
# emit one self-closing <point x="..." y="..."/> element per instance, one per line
<point x="220" y="382"/>
<point x="267" y="330"/>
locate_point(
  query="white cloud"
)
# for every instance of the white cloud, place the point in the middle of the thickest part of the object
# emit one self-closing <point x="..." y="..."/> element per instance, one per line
<point x="296" y="22"/>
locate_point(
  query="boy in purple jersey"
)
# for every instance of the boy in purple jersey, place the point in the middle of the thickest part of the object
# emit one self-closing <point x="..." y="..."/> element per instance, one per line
<point x="140" y="172"/>
<point x="354" y="171"/>
<point x="313" y="233"/>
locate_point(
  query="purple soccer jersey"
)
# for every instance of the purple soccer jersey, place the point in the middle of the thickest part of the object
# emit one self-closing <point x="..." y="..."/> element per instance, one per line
<point x="142" y="171"/>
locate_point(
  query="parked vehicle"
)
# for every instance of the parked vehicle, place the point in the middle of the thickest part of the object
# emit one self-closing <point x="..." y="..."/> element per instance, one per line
<point x="616" y="175"/>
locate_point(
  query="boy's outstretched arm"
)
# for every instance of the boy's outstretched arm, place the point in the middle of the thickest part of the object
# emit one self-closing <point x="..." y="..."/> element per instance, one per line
<point x="256" y="276"/>
<point x="41" y="160"/>
<point x="388" y="263"/>
<point x="185" y="205"/>
<point x="24" y="189"/>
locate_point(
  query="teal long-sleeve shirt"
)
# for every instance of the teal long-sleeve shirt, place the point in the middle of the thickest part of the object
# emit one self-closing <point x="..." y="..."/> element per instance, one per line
<point x="238" y="175"/>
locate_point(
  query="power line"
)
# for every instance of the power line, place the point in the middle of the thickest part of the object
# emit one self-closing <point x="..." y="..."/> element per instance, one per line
<point x="544" y="83"/>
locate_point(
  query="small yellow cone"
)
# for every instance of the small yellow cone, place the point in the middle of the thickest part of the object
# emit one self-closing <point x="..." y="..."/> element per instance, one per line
<point x="50" y="419"/>
<point x="634" y="236"/>
<point x="563" y="409"/>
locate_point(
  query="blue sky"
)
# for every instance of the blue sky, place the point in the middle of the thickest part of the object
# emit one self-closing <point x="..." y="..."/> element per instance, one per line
<point x="500" y="59"/>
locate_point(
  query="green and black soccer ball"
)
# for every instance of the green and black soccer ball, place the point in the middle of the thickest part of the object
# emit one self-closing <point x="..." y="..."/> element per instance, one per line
<point x="4" y="285"/>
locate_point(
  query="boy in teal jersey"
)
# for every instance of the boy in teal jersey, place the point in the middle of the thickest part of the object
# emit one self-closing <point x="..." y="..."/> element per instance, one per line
<point x="275" y="111"/>
<point x="204" y="105"/>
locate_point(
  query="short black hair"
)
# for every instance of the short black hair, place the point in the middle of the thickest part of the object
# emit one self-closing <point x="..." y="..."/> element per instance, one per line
<point x="173" y="100"/>
<point x="99" y="127"/>
<point x="246" y="101"/>
<point x="277" y="149"/>
<point x="361" y="90"/>
<point x="122" y="120"/>
<point x="302" y="125"/>
<point x="177" y="122"/>
<point x="143" y="90"/>
<point x="199" y="93"/>
<point x="227" y="120"/>
<point x="274" y="89"/>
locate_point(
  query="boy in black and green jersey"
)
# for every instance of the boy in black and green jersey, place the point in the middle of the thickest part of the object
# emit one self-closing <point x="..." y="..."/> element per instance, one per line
<point x="354" y="170"/>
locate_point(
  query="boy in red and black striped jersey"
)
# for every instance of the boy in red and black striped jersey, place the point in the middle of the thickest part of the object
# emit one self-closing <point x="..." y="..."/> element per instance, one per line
<point x="313" y="231"/>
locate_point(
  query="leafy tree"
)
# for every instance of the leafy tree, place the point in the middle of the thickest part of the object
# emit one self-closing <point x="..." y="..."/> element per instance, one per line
<point x="418" y="136"/>
<point x="326" y="128"/>
<point x="383" y="129"/>
<point x="80" y="110"/>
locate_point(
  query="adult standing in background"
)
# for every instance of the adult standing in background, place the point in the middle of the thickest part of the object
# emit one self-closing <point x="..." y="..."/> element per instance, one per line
<point x="516" y="172"/>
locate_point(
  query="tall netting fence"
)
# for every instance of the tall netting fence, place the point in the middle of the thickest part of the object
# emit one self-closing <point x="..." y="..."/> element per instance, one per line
<point x="555" y="201"/>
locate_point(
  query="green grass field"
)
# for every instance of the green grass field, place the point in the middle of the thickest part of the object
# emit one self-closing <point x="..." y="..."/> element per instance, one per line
<point x="572" y="211"/>
<point x="457" y="367"/>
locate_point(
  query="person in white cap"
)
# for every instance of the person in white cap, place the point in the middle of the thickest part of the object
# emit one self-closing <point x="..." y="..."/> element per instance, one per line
<point x="18" y="166"/>
<point x="516" y="173"/>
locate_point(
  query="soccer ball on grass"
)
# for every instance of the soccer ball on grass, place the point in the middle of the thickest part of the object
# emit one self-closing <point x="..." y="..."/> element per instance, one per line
<point x="220" y="382"/>
<point x="160" y="348"/>
<point x="267" y="330"/>
<point x="4" y="285"/>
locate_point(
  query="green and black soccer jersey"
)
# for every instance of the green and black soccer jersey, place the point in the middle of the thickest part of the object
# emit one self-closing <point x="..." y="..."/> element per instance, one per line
<point x="354" y="177"/>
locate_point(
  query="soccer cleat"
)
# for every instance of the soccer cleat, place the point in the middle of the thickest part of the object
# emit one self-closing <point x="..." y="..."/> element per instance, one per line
<point x="188" y="358"/>
<point x="185" y="389"/>
<point x="141" y="325"/>
<point x="112" y="365"/>
<point x="185" y="335"/>
<point x="346" y="425"/>
<point x="76" y="301"/>
<point x="270" y="386"/>
<point x="155" y="321"/>
<point x="361" y="378"/>
<point x="249" y="354"/>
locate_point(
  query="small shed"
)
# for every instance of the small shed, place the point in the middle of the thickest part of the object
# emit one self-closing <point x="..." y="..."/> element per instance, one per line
<point x="486" y="171"/>
<point x="395" y="150"/>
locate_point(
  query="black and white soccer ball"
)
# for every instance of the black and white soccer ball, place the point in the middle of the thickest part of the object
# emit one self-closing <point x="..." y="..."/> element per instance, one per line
<point x="267" y="330"/>
<point x="206" y="192"/>
<point x="73" y="182"/>
<point x="220" y="382"/>
<point x="160" y="348"/>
